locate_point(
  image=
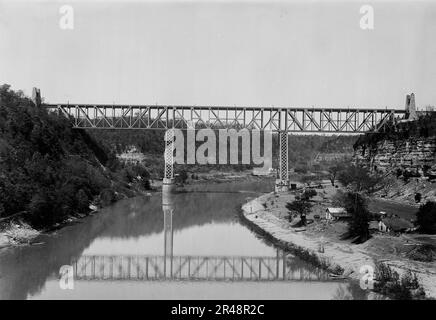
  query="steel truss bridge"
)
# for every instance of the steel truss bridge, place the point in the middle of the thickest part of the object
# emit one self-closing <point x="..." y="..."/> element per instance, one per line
<point x="278" y="119"/>
<point x="219" y="268"/>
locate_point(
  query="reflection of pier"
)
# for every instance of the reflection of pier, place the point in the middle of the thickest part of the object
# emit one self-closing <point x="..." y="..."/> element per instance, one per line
<point x="242" y="268"/>
<point x="168" y="210"/>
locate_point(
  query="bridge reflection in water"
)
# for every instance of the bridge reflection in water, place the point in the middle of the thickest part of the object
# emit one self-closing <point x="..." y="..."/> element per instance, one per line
<point x="232" y="268"/>
<point x="281" y="267"/>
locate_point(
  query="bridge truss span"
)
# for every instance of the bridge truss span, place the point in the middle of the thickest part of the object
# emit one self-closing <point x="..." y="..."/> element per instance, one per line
<point x="341" y="120"/>
<point x="218" y="268"/>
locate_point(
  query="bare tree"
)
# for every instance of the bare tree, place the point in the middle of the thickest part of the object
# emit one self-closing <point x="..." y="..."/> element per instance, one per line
<point x="333" y="172"/>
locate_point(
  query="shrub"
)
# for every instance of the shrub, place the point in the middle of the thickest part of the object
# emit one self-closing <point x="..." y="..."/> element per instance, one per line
<point x="107" y="197"/>
<point x="388" y="282"/>
<point x="182" y="176"/>
<point x="425" y="253"/>
<point x="308" y="193"/>
<point x="301" y="169"/>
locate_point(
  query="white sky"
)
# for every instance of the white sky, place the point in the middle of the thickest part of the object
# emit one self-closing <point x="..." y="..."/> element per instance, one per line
<point x="288" y="53"/>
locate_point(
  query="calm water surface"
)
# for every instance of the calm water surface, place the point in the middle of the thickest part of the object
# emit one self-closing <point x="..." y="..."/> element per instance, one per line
<point x="189" y="246"/>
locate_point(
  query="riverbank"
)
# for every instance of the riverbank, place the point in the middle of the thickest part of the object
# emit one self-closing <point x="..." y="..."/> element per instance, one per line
<point x="213" y="177"/>
<point x="15" y="232"/>
<point x="322" y="239"/>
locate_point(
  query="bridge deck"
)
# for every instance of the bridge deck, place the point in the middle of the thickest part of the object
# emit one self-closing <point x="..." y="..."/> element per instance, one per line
<point x="97" y="116"/>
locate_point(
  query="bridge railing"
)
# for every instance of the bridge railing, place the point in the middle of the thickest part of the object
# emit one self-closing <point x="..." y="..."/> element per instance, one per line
<point x="216" y="117"/>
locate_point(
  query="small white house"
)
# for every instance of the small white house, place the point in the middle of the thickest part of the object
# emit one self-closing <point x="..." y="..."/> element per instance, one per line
<point x="382" y="226"/>
<point x="262" y="172"/>
<point x="395" y="225"/>
<point x="336" y="213"/>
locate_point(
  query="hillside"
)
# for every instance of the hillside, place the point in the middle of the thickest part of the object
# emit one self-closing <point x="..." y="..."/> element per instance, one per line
<point x="147" y="148"/>
<point x="316" y="152"/>
<point x="407" y="149"/>
<point x="49" y="171"/>
<point x="404" y="152"/>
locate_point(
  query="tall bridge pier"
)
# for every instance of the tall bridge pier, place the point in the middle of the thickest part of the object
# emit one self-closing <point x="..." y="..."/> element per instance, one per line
<point x="168" y="184"/>
<point x="282" y="183"/>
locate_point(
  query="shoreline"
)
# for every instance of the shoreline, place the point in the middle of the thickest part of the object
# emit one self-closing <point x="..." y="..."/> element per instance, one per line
<point x="258" y="218"/>
<point x="337" y="256"/>
<point x="14" y="232"/>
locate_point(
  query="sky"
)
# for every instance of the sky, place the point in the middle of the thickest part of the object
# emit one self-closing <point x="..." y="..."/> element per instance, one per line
<point x="249" y="53"/>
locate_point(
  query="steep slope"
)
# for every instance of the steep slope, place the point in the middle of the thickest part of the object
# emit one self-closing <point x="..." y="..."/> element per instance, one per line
<point x="48" y="170"/>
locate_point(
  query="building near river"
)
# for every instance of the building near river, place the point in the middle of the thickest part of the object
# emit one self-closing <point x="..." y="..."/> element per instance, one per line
<point x="132" y="155"/>
<point x="336" y="214"/>
<point x="394" y="224"/>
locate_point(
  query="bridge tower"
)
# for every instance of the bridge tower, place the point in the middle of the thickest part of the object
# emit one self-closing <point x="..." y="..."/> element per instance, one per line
<point x="410" y="107"/>
<point x="36" y="97"/>
<point x="168" y="210"/>
<point x="282" y="183"/>
<point x="168" y="181"/>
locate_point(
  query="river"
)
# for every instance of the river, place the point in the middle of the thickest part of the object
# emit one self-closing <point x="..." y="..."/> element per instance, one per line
<point x="193" y="246"/>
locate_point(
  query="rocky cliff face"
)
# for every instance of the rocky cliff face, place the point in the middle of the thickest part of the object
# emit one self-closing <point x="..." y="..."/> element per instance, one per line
<point x="414" y="156"/>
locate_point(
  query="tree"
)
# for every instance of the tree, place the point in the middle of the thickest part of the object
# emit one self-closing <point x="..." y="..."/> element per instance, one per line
<point x="358" y="225"/>
<point x="301" y="206"/>
<point x="146" y="184"/>
<point x="333" y="172"/>
<point x="107" y="197"/>
<point x="82" y="201"/>
<point x="358" y="178"/>
<point x="308" y="193"/>
<point x="426" y="217"/>
<point x="40" y="209"/>
<point x="388" y="184"/>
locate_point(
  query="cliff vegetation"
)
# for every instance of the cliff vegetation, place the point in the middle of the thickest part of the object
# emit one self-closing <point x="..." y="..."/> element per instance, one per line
<point x="49" y="171"/>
